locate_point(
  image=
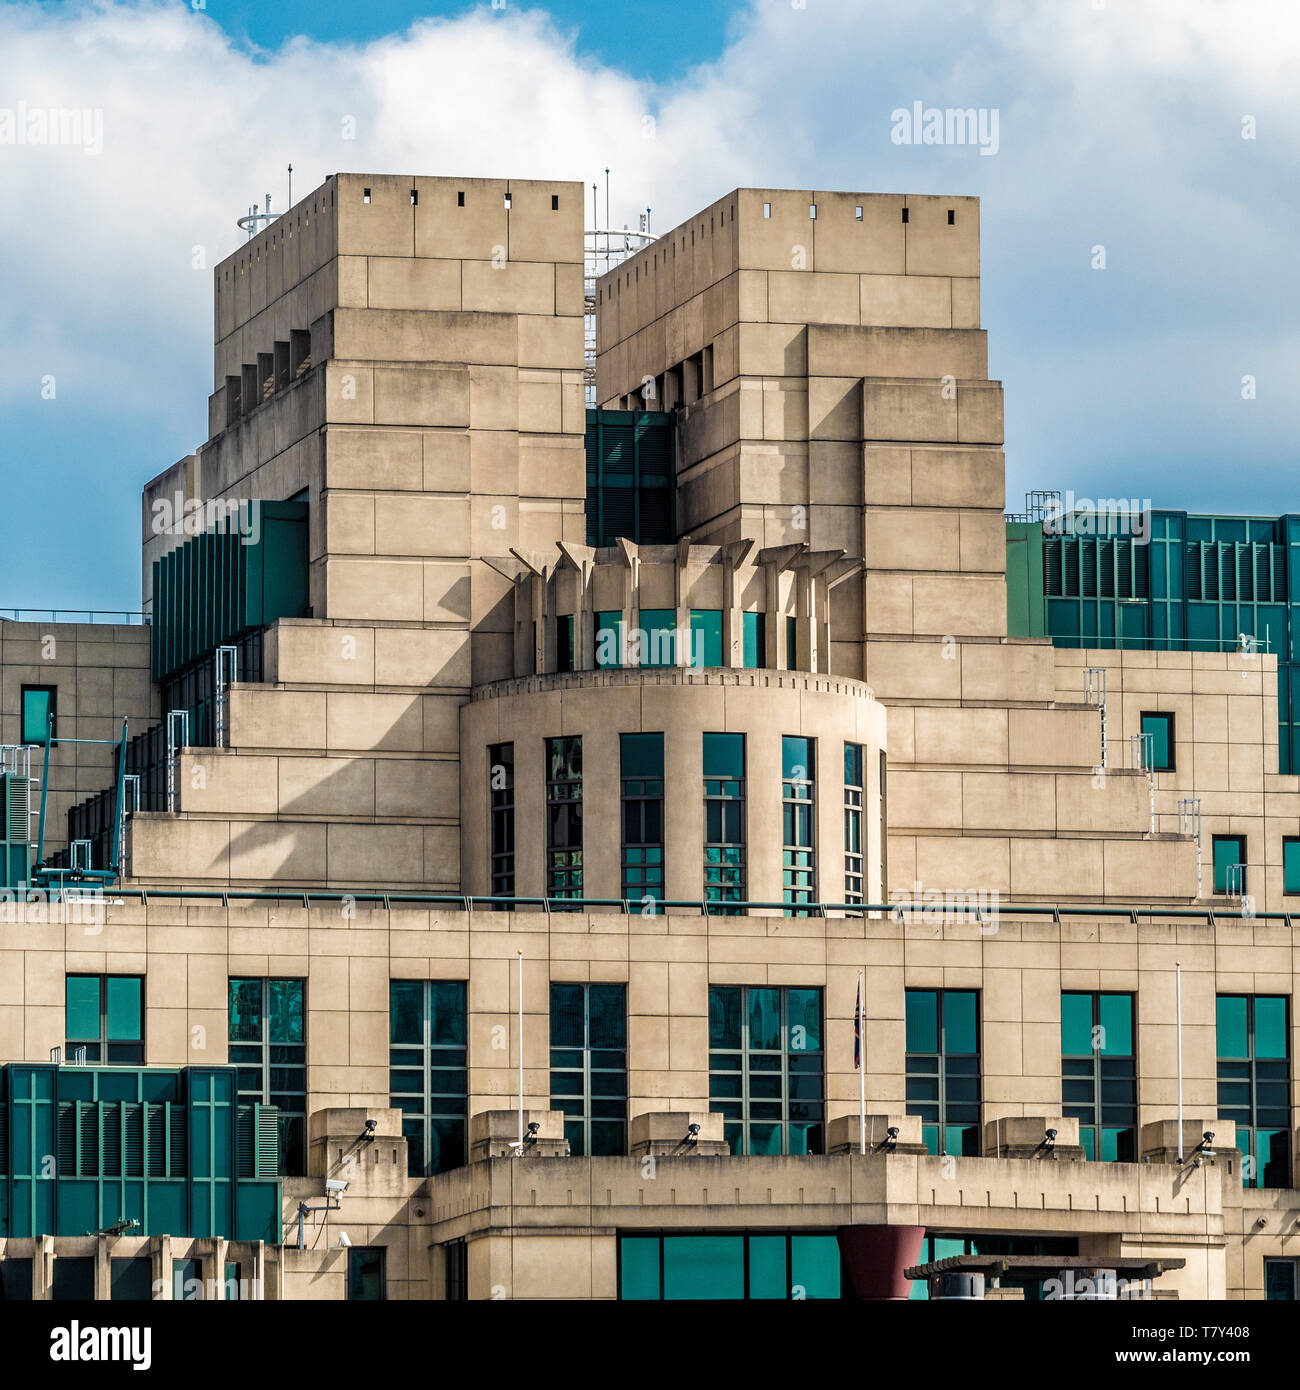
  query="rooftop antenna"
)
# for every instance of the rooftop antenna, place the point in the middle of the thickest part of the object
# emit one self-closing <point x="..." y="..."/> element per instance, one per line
<point x="258" y="221"/>
<point x="290" y="203"/>
<point x="607" y="221"/>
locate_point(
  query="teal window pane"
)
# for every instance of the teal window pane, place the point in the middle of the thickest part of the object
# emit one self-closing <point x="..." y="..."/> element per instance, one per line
<point x="608" y="1009"/>
<point x="660" y="640"/>
<point x="609" y="638"/>
<point x="641" y="755"/>
<point x="765" y="1020"/>
<point x="639" y="1267"/>
<point x="284" y="1011"/>
<point x="767" y="1270"/>
<point x="125" y="1012"/>
<point x="711" y="1267"/>
<point x="853" y="765"/>
<point x="724" y="755"/>
<point x="1088" y="1140"/>
<point x="37" y="703"/>
<point x="706" y="637"/>
<point x="1228" y="850"/>
<point x="765" y="1139"/>
<point x="754" y="633"/>
<point x="1110" y="1145"/>
<point x="724" y="1016"/>
<point x="406" y="1011"/>
<point x="796" y="759"/>
<point x="1161" y="729"/>
<point x="82" y="1007"/>
<point x="1117" y="1025"/>
<point x="1291" y="865"/>
<point x="804" y="1016"/>
<point x="1231" y="1025"/>
<point x="245" y="1010"/>
<point x="447" y="1013"/>
<point x="1076" y="1025"/>
<point x="815" y="1266"/>
<point x="959" y="1026"/>
<point x="922" y="1020"/>
<point x="1270" y="1026"/>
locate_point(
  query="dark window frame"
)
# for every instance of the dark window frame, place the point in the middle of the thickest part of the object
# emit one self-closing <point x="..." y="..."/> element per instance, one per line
<point x="923" y="1068"/>
<point x="445" y="1063"/>
<point x="36" y="688"/>
<point x="1170" y="736"/>
<point x="278" y="1056"/>
<point x="103" y="1046"/>
<point x="598" y="1101"/>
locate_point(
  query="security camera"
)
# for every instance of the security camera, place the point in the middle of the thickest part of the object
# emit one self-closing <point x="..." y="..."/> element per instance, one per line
<point x="892" y="1132"/>
<point x="339" y="1185"/>
<point x="371" y="1126"/>
<point x="1208" y="1136"/>
<point x="343" y="1240"/>
<point x="1050" y="1134"/>
<point x="692" y="1130"/>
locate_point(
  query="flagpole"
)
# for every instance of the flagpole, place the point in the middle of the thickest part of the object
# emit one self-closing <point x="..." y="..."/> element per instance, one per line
<point x="1178" y="987"/>
<point x="862" y="1073"/>
<point x="521" y="1050"/>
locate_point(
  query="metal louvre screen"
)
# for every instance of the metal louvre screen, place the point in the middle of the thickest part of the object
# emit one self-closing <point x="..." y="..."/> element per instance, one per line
<point x="630" y="477"/>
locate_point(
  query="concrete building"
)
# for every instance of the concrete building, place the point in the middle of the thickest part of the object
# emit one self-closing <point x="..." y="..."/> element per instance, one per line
<point x="519" y="795"/>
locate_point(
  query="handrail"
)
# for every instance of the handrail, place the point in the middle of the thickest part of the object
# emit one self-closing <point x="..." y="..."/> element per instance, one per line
<point x="980" y="912"/>
<point x="130" y="617"/>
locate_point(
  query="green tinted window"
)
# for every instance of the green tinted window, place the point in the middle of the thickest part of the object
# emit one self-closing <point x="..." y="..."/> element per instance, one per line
<point x="641" y="755"/>
<point x="796" y="759"/>
<point x="38" y="703"/>
<point x="1076" y="1025"/>
<point x="82" y="1005"/>
<point x="660" y="640"/>
<point x="245" y="1011"/>
<point x="1291" y="865"/>
<point x="922" y="1020"/>
<point x="706" y="637"/>
<point x="711" y="1267"/>
<point x="815" y="1266"/>
<point x="754" y="632"/>
<point x="959" y="1028"/>
<point x="639" y="1267"/>
<point x="1270" y="1026"/>
<point x="767" y="1271"/>
<point x="804" y="1018"/>
<point x="1117" y="1025"/>
<point x="724" y="755"/>
<point x="1161" y="729"/>
<point x="125" y="1017"/>
<point x="284" y="1011"/>
<point x="609" y="638"/>
<point x="724" y="1016"/>
<point x="1231" y="1025"/>
<point x="1228" y="850"/>
<point x="406" y="1012"/>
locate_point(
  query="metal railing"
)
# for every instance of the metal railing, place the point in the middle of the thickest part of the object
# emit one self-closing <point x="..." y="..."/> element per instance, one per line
<point x="125" y="616"/>
<point x="634" y="907"/>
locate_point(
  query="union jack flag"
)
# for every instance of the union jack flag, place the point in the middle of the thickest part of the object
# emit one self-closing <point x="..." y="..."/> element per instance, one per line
<point x="857" y="1030"/>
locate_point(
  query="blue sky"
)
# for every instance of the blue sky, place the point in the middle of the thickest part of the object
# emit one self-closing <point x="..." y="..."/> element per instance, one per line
<point x="1120" y="126"/>
<point x="658" y="40"/>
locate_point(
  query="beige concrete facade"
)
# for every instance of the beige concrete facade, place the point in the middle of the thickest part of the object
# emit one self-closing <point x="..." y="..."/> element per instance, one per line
<point x="408" y="353"/>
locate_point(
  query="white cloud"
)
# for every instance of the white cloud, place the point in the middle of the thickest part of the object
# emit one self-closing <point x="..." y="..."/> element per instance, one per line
<point x="1119" y="125"/>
